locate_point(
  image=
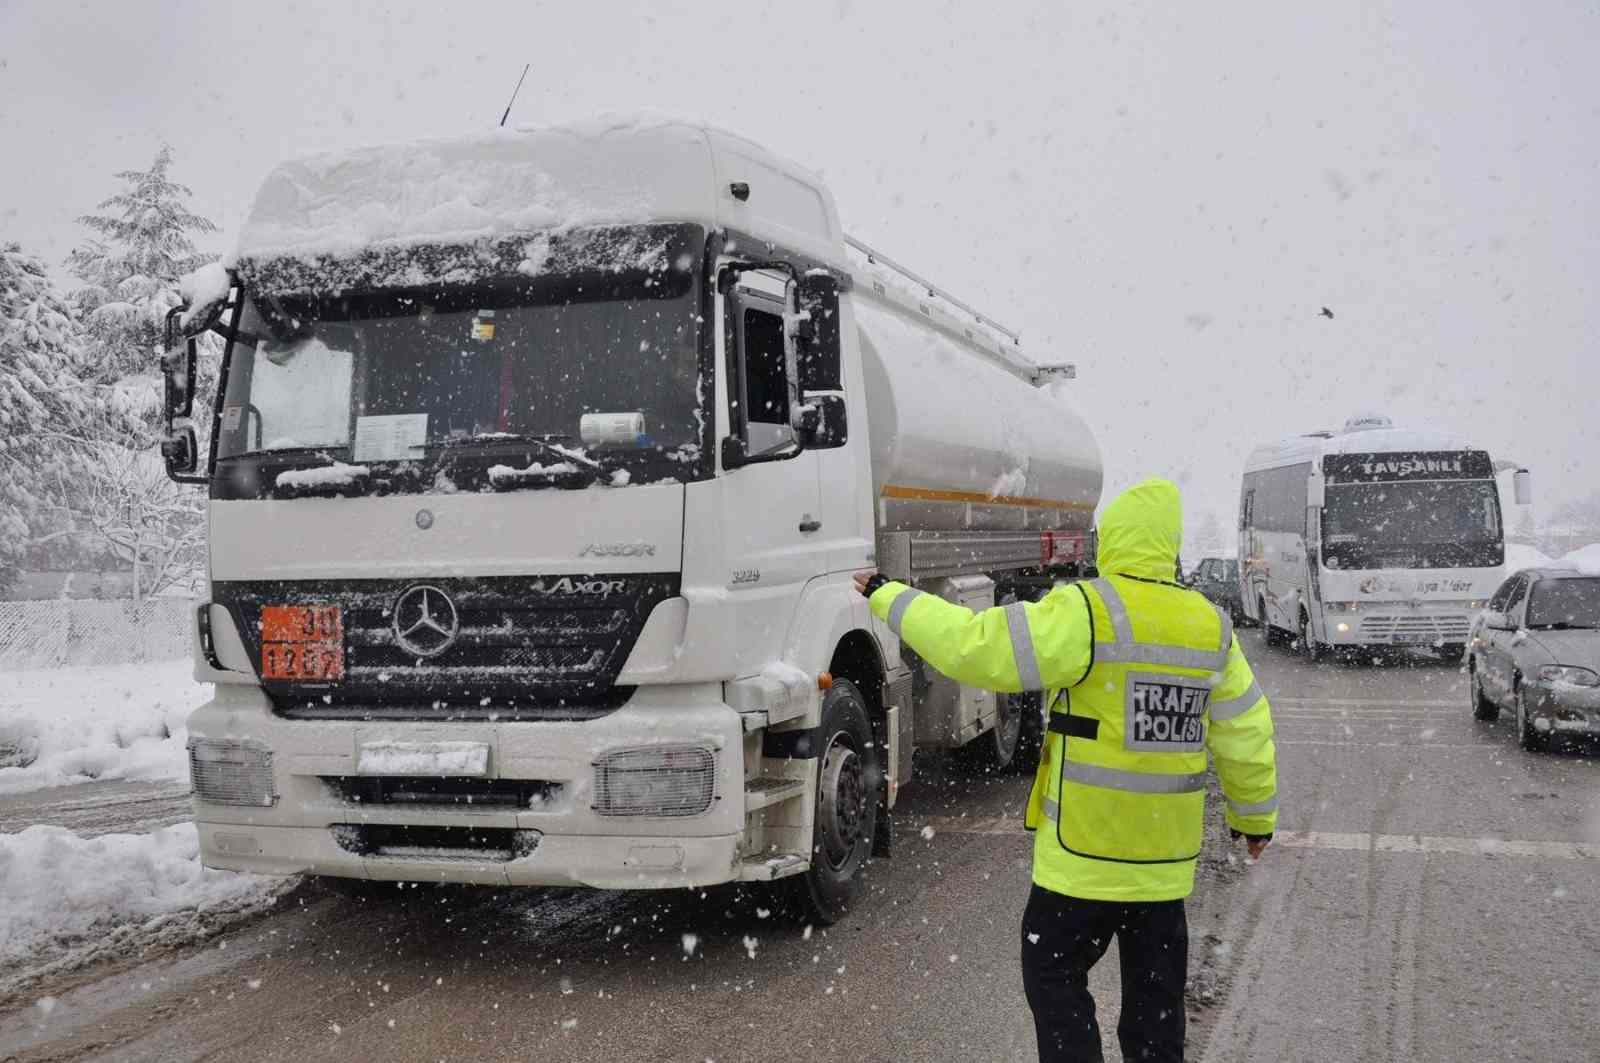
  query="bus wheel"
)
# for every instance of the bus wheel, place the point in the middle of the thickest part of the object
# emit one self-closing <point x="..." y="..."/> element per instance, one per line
<point x="849" y="776"/>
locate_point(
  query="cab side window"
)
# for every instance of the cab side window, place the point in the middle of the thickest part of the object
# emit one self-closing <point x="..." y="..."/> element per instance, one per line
<point x="760" y="398"/>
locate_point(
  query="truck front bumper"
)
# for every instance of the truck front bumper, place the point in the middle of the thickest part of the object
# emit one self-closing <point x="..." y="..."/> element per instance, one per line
<point x="311" y="811"/>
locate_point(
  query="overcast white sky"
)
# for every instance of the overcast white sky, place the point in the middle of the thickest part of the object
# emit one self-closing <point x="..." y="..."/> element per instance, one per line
<point x="1165" y="194"/>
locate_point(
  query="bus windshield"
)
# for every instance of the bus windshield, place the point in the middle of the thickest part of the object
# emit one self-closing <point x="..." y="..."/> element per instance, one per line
<point x="1418" y="524"/>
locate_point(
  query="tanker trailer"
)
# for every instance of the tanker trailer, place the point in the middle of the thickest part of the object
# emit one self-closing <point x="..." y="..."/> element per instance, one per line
<point x="538" y="469"/>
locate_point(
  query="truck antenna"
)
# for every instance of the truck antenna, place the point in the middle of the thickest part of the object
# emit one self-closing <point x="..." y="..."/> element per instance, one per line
<point x="513" y="98"/>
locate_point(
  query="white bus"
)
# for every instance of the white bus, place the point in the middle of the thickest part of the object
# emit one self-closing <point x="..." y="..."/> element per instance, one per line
<point x="1371" y="536"/>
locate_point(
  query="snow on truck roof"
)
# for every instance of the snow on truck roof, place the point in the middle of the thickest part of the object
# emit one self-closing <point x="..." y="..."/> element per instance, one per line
<point x="621" y="169"/>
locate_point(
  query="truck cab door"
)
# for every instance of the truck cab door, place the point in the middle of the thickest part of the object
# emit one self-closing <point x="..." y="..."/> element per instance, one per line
<point x="771" y="498"/>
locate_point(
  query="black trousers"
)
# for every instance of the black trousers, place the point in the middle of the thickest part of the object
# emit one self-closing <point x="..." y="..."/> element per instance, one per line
<point x="1062" y="937"/>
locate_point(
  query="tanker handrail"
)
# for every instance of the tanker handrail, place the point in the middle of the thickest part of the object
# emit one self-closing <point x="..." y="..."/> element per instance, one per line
<point x="874" y="256"/>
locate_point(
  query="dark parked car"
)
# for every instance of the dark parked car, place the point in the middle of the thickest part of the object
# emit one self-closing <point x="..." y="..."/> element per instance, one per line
<point x="1218" y="579"/>
<point x="1536" y="650"/>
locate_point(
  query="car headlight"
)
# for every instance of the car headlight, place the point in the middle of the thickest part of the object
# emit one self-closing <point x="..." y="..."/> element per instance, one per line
<point x="1566" y="673"/>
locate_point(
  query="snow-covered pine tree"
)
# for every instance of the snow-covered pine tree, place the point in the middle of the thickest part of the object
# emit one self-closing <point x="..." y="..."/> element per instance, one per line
<point x="143" y="243"/>
<point x="44" y="407"/>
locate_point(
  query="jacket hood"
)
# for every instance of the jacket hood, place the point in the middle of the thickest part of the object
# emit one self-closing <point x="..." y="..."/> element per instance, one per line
<point x="1141" y="531"/>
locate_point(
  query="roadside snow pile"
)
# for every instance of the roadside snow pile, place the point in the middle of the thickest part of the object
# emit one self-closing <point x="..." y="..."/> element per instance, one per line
<point x="1586" y="559"/>
<point x="1520" y="556"/>
<point x="69" y="900"/>
<point x="70" y="725"/>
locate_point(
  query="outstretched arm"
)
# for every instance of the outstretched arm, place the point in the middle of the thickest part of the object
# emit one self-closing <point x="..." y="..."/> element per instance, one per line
<point x="1022" y="646"/>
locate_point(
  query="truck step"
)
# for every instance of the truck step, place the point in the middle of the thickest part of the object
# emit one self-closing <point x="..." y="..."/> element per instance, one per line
<point x="767" y="868"/>
<point x="768" y="790"/>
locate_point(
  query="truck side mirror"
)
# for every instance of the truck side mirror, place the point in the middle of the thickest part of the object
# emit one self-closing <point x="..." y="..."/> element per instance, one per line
<point x="1316" y="493"/>
<point x="181" y="451"/>
<point x="178" y="372"/>
<point x="824" y="425"/>
<point x="818" y="335"/>
<point x="1522" y="487"/>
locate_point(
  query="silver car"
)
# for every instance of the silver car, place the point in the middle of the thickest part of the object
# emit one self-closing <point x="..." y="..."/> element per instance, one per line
<point x="1536" y="651"/>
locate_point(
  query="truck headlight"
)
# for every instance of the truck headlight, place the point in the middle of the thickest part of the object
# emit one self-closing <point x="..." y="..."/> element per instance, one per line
<point x="231" y="772"/>
<point x="1565" y="673"/>
<point x="655" y="781"/>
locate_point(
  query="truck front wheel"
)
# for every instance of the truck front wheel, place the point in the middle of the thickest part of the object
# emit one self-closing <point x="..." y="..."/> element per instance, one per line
<point x="849" y="776"/>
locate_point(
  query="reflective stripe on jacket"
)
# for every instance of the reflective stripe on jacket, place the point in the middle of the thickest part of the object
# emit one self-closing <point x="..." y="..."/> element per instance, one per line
<point x="1143" y="678"/>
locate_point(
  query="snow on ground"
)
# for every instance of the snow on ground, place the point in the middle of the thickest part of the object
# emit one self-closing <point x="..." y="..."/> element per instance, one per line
<point x="71" y="900"/>
<point x="69" y="725"/>
<point x="1586" y="559"/>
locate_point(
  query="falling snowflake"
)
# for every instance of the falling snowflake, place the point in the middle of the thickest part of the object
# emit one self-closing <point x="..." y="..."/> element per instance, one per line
<point x="750" y="944"/>
<point x="690" y="943"/>
<point x="927" y="834"/>
<point x="1033" y="939"/>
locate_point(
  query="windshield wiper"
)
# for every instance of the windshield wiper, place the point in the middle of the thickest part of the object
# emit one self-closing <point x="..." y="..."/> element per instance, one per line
<point x="1562" y="625"/>
<point x="544" y="443"/>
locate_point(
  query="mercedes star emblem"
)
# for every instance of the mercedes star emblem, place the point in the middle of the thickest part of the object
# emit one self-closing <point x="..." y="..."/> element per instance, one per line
<point x="425" y="621"/>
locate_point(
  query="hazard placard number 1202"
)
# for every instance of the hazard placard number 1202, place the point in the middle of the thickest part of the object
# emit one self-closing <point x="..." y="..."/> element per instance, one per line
<point x="304" y="642"/>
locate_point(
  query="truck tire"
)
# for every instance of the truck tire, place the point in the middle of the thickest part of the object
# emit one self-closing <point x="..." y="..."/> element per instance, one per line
<point x="1030" y="743"/>
<point x="1482" y="707"/>
<point x="849" y="774"/>
<point x="995" y="750"/>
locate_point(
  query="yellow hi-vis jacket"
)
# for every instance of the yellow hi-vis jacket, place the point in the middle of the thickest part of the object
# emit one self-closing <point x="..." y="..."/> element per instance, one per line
<point x="1143" y="678"/>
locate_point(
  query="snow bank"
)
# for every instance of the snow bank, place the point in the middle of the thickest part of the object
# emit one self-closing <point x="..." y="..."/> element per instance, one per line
<point x="70" y="725"/>
<point x="70" y="899"/>
<point x="1585" y="559"/>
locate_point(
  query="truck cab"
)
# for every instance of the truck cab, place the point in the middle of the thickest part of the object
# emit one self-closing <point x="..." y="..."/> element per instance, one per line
<point x="539" y="468"/>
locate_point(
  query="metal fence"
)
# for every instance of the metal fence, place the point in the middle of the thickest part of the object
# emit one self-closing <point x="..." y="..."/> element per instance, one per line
<point x="58" y="634"/>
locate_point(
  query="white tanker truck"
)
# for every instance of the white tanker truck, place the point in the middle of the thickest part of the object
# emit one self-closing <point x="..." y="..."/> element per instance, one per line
<point x="538" y="470"/>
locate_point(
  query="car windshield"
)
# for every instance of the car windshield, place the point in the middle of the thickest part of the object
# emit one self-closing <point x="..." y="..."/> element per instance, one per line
<point x="1564" y="603"/>
<point x="387" y="374"/>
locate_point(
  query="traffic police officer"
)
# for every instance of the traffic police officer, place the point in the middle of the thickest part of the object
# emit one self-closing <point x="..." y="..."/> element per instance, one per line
<point x="1143" y="679"/>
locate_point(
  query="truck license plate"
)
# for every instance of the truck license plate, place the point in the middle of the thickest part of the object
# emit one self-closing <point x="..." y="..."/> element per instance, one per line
<point x="302" y="642"/>
<point x="1412" y="639"/>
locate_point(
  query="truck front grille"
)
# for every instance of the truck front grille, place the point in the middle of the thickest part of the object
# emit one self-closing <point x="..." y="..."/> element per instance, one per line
<point x="522" y="647"/>
<point x="458" y="792"/>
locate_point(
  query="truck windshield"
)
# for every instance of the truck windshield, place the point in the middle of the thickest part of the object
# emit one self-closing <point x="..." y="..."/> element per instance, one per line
<point x="1564" y="603"/>
<point x="387" y="375"/>
<point x="1420" y="524"/>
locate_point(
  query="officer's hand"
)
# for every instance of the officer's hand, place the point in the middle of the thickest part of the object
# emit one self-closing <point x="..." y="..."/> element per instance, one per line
<point x="861" y="579"/>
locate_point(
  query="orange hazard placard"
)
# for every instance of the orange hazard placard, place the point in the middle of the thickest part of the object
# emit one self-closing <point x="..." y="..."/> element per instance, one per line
<point x="304" y="642"/>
